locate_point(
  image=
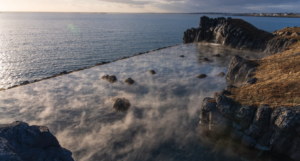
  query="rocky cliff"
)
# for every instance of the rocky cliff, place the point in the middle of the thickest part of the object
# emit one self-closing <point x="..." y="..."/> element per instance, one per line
<point x="235" y="33"/>
<point x="263" y="128"/>
<point x="274" y="130"/>
<point x="21" y="142"/>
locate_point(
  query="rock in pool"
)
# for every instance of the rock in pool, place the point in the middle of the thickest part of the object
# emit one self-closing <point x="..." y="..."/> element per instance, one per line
<point x="181" y="56"/>
<point x="152" y="72"/>
<point x="121" y="104"/>
<point x="204" y="59"/>
<point x="222" y="74"/>
<point x="129" y="81"/>
<point x="110" y="78"/>
<point x="200" y="76"/>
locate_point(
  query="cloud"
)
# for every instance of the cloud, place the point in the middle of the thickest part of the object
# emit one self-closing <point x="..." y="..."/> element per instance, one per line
<point x="214" y="5"/>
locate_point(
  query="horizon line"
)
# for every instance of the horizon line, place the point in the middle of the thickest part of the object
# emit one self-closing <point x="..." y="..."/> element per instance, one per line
<point x="140" y="12"/>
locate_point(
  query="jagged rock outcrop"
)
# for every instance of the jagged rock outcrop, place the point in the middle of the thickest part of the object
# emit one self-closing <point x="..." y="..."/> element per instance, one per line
<point x="276" y="45"/>
<point x="235" y="33"/>
<point x="240" y="71"/>
<point x="262" y="128"/>
<point x="21" y="142"/>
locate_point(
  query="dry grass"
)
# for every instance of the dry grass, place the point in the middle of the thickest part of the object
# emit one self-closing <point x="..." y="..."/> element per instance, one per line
<point x="291" y="30"/>
<point x="252" y="30"/>
<point x="278" y="81"/>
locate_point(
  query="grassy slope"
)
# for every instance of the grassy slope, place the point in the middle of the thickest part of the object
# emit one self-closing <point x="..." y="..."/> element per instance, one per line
<point x="278" y="80"/>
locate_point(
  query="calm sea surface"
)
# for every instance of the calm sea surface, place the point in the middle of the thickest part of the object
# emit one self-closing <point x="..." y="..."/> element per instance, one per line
<point x="38" y="45"/>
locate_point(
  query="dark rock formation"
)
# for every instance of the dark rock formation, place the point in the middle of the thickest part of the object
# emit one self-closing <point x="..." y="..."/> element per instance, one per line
<point x="204" y="59"/>
<point x="241" y="71"/>
<point x="25" y="82"/>
<point x="265" y="129"/>
<point x="21" y="142"/>
<point x="244" y="116"/>
<point x="121" y="104"/>
<point x="200" y="76"/>
<point x="222" y="74"/>
<point x="217" y="55"/>
<point x="276" y="45"/>
<point x="182" y="56"/>
<point x="152" y="72"/>
<point x="234" y="33"/>
<point x="110" y="78"/>
<point x="129" y="81"/>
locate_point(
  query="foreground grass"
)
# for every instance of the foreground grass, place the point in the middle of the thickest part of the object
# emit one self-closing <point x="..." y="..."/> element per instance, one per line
<point x="278" y="80"/>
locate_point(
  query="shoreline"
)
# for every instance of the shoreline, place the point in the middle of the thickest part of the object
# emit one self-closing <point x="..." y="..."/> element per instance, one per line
<point x="260" y="106"/>
<point x="97" y="64"/>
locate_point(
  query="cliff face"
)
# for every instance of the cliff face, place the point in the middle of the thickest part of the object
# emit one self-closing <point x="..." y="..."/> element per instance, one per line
<point x="235" y="33"/>
<point x="263" y="128"/>
<point x="21" y="142"/>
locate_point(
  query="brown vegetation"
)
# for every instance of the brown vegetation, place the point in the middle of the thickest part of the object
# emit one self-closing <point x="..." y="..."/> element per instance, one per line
<point x="278" y="81"/>
<point x="289" y="33"/>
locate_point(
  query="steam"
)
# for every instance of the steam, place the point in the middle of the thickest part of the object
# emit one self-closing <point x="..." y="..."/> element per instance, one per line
<point x="162" y="123"/>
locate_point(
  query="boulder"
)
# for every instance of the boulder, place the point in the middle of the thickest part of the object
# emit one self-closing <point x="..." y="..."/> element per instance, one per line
<point x="129" y="81"/>
<point x="244" y="115"/>
<point x="110" y="78"/>
<point x="182" y="56"/>
<point x="151" y="72"/>
<point x="260" y="123"/>
<point x="209" y="104"/>
<point x="226" y="106"/>
<point x="217" y="55"/>
<point x="222" y="74"/>
<point x="23" y="142"/>
<point x="121" y="104"/>
<point x="200" y="76"/>
<point x="204" y="59"/>
<point x="283" y="118"/>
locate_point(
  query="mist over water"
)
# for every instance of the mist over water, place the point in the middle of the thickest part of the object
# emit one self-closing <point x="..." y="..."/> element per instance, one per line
<point x="162" y="122"/>
<point x="39" y="45"/>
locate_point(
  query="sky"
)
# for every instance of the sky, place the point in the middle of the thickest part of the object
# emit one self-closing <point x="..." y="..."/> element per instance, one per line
<point x="155" y="6"/>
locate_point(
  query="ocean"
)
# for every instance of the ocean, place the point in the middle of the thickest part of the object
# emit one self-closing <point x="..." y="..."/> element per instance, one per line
<point x="38" y="45"/>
